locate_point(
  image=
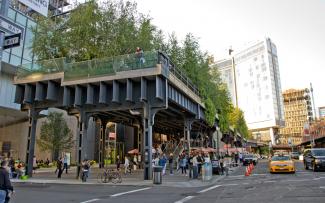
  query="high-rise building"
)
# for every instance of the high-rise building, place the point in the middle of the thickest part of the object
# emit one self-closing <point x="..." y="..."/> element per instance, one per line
<point x="226" y="68"/>
<point x="298" y="112"/>
<point x="253" y="79"/>
<point x="321" y="111"/>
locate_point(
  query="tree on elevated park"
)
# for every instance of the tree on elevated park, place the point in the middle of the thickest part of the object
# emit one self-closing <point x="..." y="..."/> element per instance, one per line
<point x="55" y="135"/>
<point x="116" y="28"/>
<point x="95" y="31"/>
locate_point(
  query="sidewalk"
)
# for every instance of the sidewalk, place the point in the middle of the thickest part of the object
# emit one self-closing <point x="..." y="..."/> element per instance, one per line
<point x="47" y="176"/>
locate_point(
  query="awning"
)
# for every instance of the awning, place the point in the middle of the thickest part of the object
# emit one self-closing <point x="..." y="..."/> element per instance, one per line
<point x="133" y="151"/>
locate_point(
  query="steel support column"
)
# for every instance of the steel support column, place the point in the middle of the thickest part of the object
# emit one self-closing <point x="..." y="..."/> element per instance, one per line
<point x="187" y="131"/>
<point x="102" y="144"/>
<point x="83" y="125"/>
<point x="147" y="139"/>
<point x="33" y="115"/>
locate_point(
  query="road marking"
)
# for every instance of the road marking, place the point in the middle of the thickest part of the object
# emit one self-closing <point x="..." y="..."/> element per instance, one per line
<point x="301" y="180"/>
<point x="91" y="200"/>
<point x="185" y="199"/>
<point x="231" y="184"/>
<point x="259" y="174"/>
<point x="317" y="178"/>
<point x="208" y="189"/>
<point x="245" y="183"/>
<point x="128" y="192"/>
<point x="270" y="181"/>
<point x="322" y="187"/>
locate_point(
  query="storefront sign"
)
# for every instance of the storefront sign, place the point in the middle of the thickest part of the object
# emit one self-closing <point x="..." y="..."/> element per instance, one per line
<point x="40" y="6"/>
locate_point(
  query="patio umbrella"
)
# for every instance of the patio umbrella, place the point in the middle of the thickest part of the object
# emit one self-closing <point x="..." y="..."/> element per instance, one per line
<point x="133" y="151"/>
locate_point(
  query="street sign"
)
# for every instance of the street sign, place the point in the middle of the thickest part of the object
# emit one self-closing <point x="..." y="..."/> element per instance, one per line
<point x="10" y="27"/>
<point x="12" y="41"/>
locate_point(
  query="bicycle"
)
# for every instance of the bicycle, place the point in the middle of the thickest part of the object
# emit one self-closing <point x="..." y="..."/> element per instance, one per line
<point x="109" y="175"/>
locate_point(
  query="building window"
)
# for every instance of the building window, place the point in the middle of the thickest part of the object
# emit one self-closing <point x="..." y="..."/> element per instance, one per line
<point x="5" y="56"/>
<point x="21" y="19"/>
<point x="15" y="60"/>
<point x="11" y="14"/>
<point x="265" y="78"/>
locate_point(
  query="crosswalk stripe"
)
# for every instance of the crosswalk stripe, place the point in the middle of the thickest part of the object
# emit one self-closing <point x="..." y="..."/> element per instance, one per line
<point x="128" y="192"/>
<point x="208" y="189"/>
<point x="185" y="199"/>
<point x="91" y="200"/>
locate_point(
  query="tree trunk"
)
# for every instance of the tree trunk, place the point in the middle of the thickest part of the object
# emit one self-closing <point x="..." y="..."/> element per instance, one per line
<point x="55" y="155"/>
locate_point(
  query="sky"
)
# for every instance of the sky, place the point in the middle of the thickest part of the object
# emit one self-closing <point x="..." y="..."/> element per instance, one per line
<point x="297" y="27"/>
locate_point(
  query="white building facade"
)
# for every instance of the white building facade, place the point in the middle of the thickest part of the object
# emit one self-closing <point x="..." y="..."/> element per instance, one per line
<point x="253" y="79"/>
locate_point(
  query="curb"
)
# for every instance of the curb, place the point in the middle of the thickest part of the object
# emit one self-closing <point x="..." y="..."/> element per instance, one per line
<point x="186" y="184"/>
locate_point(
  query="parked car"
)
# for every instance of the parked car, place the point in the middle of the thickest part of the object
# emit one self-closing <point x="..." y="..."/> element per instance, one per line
<point x="249" y="158"/>
<point x="294" y="155"/>
<point x="281" y="164"/>
<point x="314" y="159"/>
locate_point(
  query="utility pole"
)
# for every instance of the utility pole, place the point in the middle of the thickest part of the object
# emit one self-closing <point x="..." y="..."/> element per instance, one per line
<point x="3" y="12"/>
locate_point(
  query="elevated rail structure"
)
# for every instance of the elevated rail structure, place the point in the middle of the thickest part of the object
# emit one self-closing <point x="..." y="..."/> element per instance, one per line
<point x="147" y="92"/>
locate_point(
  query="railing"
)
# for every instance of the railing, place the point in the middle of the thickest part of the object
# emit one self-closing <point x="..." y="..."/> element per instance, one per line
<point x="109" y="66"/>
<point x="182" y="76"/>
<point x="41" y="67"/>
<point x="105" y="66"/>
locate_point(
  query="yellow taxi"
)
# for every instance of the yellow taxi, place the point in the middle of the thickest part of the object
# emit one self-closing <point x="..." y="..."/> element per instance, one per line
<point x="282" y="164"/>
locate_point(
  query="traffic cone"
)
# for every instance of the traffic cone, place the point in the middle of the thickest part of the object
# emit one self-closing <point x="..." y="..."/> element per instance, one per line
<point x="247" y="171"/>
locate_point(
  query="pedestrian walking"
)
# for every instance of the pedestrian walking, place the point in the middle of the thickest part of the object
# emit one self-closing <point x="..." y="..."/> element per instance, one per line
<point x="163" y="163"/>
<point x="183" y="164"/>
<point x="171" y="163"/>
<point x="11" y="166"/>
<point x="222" y="165"/>
<point x="59" y="166"/>
<point x="195" y="166"/>
<point x="240" y="157"/>
<point x="65" y="163"/>
<point x="6" y="188"/>
<point x="118" y="163"/>
<point x="135" y="162"/>
<point x="190" y="165"/>
<point x="126" y="165"/>
<point x="236" y="159"/>
<point x="85" y="170"/>
<point x="34" y="164"/>
<point x="200" y="161"/>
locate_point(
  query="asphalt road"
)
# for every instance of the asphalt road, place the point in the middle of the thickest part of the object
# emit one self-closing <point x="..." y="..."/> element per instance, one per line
<point x="303" y="186"/>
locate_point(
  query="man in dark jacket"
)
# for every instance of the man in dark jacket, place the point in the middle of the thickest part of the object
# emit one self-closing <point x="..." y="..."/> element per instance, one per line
<point x="5" y="184"/>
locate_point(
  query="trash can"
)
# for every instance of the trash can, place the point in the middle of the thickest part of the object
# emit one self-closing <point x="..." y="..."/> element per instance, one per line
<point x="215" y="167"/>
<point x="157" y="174"/>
